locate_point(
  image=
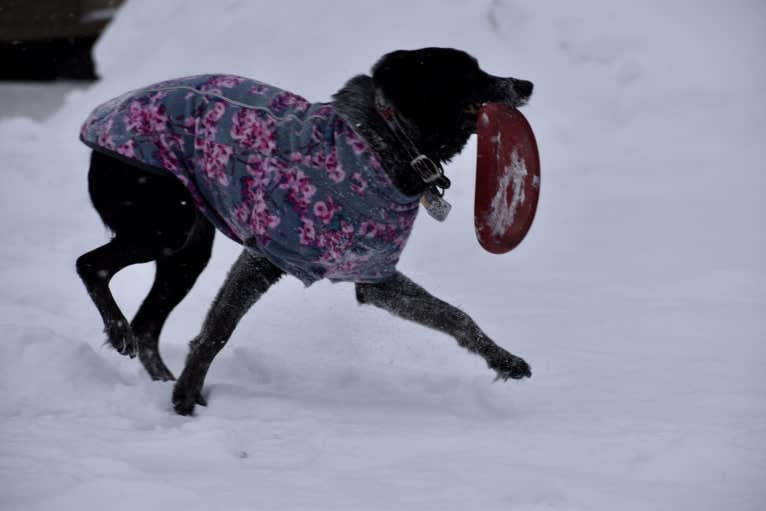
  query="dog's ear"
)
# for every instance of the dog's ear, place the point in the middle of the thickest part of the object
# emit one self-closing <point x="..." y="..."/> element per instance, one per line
<point x="403" y="79"/>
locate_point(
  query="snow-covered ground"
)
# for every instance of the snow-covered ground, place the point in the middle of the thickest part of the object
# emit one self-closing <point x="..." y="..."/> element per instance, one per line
<point x="638" y="296"/>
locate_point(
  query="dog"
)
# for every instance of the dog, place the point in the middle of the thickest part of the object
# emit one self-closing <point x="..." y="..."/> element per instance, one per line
<point x="314" y="190"/>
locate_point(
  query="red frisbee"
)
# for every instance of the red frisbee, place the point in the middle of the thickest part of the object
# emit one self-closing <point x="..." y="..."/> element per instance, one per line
<point x="507" y="178"/>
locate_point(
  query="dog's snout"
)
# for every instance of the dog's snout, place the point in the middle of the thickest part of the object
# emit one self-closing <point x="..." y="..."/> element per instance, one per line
<point x="522" y="87"/>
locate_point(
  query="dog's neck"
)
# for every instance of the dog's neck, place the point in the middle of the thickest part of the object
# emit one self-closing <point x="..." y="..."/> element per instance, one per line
<point x="356" y="104"/>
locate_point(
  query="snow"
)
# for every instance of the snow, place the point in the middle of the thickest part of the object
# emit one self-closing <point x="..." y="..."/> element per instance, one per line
<point x="637" y="297"/>
<point x="502" y="214"/>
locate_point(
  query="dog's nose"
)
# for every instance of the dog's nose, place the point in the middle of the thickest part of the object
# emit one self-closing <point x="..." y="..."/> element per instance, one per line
<point x="522" y="87"/>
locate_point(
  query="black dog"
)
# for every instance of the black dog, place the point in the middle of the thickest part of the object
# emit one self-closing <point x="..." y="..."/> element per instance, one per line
<point x="415" y="112"/>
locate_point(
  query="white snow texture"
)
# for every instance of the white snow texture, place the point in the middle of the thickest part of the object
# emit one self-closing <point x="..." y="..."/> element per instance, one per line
<point x="638" y="296"/>
<point x="502" y="214"/>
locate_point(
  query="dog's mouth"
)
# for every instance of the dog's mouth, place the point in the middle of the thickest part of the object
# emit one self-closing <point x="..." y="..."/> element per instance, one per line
<point x="521" y="101"/>
<point x="473" y="108"/>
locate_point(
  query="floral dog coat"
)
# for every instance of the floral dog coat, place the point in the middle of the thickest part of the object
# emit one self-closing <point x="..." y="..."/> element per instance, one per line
<point x="282" y="176"/>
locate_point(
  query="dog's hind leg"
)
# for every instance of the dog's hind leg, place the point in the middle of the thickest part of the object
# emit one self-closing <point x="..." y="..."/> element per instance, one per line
<point x="175" y="276"/>
<point x="402" y="297"/>
<point x="96" y="268"/>
<point x="250" y="277"/>
<point x="152" y="217"/>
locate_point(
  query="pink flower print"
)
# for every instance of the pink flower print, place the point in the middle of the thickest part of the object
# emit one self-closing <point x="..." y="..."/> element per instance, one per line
<point x="254" y="212"/>
<point x="168" y="159"/>
<point x="333" y="244"/>
<point x="262" y="221"/>
<point x="168" y="144"/>
<point x="260" y="172"/>
<point x="307" y="233"/>
<point x="288" y="180"/>
<point x="146" y="119"/>
<point x="356" y="142"/>
<point x="227" y="81"/>
<point x="358" y="183"/>
<point x="250" y="186"/>
<point x="305" y="187"/>
<point x="316" y="135"/>
<point x="168" y="141"/>
<point x="318" y="158"/>
<point x="253" y="131"/>
<point x="241" y="213"/>
<point x="128" y="149"/>
<point x="367" y="229"/>
<point x="285" y="100"/>
<point x="336" y="256"/>
<point x="184" y="181"/>
<point x="258" y="89"/>
<point x="259" y="201"/>
<point x="215" y="158"/>
<point x="325" y="211"/>
<point x="323" y="111"/>
<point x="300" y="188"/>
<point x="301" y="158"/>
<point x="105" y="137"/>
<point x="346" y="228"/>
<point x="207" y="127"/>
<point x="213" y="115"/>
<point x="334" y="169"/>
<point x="372" y="229"/>
<point x="374" y="163"/>
<point x="262" y="169"/>
<point x="348" y="266"/>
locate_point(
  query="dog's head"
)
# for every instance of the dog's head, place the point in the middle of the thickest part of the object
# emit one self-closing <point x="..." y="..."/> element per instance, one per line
<point x="440" y="91"/>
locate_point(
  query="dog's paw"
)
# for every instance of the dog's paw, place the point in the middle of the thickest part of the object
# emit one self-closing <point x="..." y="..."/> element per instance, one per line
<point x="507" y="366"/>
<point x="185" y="398"/>
<point x="154" y="365"/>
<point x="120" y="337"/>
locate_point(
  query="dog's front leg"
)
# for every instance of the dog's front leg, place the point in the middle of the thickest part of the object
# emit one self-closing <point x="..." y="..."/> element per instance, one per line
<point x="248" y="279"/>
<point x="402" y="297"/>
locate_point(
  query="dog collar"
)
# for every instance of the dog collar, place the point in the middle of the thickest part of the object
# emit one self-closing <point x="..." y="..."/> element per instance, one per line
<point x="429" y="171"/>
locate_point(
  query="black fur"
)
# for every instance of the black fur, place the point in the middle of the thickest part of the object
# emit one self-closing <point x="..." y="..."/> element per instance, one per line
<point x="435" y="92"/>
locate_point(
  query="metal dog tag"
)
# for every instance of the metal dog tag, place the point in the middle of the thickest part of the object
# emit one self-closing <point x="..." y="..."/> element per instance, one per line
<point x="435" y="205"/>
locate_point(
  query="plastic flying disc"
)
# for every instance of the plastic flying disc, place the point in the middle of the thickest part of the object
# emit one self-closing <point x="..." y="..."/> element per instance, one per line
<point x="507" y="178"/>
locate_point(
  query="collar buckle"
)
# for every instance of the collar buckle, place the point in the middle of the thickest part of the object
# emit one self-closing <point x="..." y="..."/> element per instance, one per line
<point x="431" y="173"/>
<point x="427" y="169"/>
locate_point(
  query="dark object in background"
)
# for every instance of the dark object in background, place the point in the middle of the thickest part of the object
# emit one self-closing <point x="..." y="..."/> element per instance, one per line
<point x="51" y="39"/>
